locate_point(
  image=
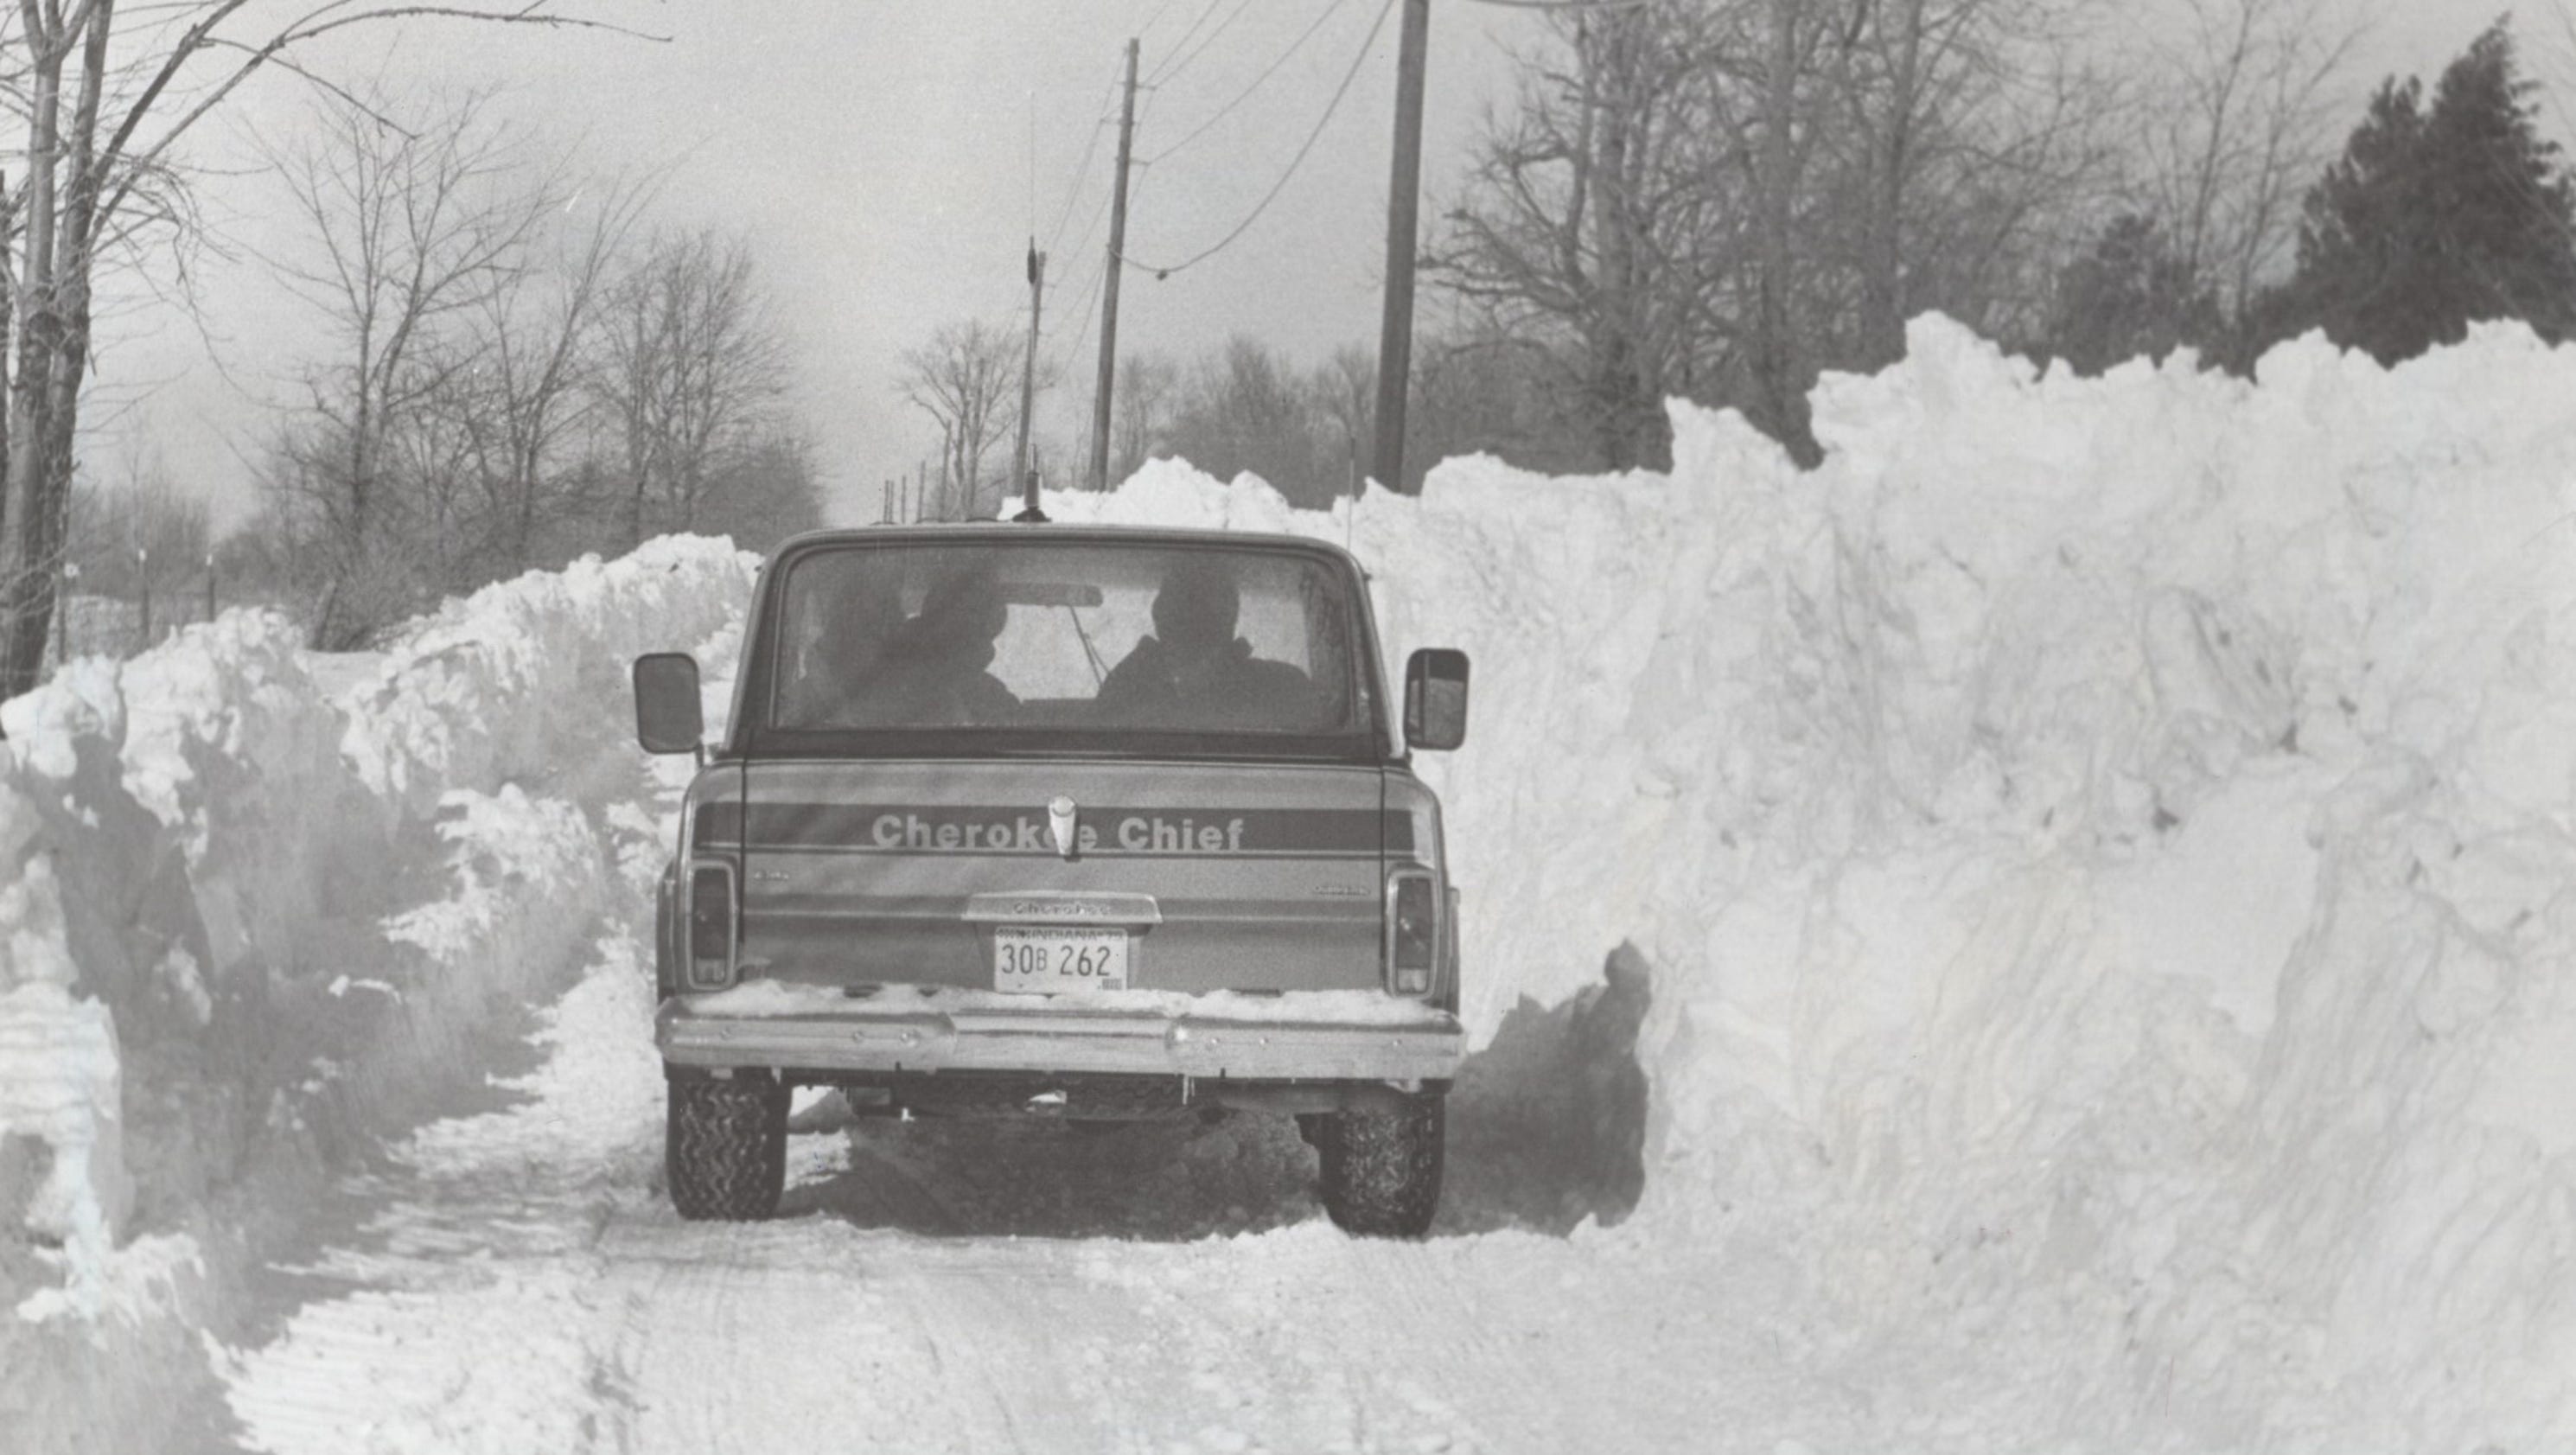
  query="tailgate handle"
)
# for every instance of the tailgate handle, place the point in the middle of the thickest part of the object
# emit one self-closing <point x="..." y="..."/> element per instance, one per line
<point x="1060" y="907"/>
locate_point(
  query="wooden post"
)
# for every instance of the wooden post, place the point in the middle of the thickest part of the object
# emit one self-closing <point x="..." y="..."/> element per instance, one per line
<point x="1029" y="383"/>
<point x="1404" y="188"/>
<point x="1100" y="397"/>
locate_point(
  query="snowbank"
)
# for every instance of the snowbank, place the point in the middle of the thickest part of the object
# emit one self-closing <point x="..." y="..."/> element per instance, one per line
<point x="251" y="924"/>
<point x="2104" y="847"/>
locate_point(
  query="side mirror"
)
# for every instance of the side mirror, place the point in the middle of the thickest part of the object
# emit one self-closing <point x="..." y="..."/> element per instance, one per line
<point x="668" y="716"/>
<point x="1435" y="699"/>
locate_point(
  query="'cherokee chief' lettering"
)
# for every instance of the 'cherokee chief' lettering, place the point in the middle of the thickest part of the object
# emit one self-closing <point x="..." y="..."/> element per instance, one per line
<point x="910" y="831"/>
<point x="1156" y="834"/>
<point x="1026" y="834"/>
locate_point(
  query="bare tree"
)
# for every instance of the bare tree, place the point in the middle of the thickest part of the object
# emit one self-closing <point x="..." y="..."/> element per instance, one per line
<point x="1600" y="216"/>
<point x="695" y="373"/>
<point x="1245" y="409"/>
<point x="539" y="334"/>
<point x="106" y="99"/>
<point x="1974" y="149"/>
<point x="967" y="378"/>
<point x="415" y="228"/>
<point x="2235" y="119"/>
<point x="139" y="531"/>
<point x="1345" y="392"/>
<point x="1147" y="385"/>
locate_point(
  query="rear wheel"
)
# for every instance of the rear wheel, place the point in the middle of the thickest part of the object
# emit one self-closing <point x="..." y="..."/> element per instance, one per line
<point x="1381" y="1169"/>
<point x="725" y="1148"/>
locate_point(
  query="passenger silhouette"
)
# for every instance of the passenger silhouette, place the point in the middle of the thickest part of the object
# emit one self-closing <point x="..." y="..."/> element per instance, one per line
<point x="1193" y="673"/>
<point x="933" y="673"/>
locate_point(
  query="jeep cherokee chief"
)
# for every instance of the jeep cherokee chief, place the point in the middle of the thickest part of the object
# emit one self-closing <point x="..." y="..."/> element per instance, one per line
<point x="1094" y="823"/>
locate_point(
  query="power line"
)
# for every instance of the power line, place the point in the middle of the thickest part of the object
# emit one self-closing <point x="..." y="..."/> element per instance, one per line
<point x="1081" y="307"/>
<point x="1272" y="69"/>
<point x="1277" y="187"/>
<point x="1081" y="169"/>
<point x="1183" y="63"/>
<point x="1100" y="271"/>
<point x="1177" y="46"/>
<point x="1073" y="192"/>
<point x="1093" y="226"/>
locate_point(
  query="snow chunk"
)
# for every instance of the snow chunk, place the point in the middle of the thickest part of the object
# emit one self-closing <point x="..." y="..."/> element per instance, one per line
<point x="60" y="1084"/>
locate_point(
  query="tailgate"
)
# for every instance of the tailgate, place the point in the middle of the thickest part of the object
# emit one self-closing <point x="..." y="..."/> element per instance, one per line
<point x="1207" y="876"/>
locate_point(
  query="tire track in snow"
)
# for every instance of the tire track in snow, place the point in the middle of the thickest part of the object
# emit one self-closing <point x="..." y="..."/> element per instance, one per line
<point x="521" y="1287"/>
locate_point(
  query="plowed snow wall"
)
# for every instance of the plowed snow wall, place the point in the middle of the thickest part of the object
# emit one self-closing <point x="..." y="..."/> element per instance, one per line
<point x="249" y="921"/>
<point x="2104" y="847"/>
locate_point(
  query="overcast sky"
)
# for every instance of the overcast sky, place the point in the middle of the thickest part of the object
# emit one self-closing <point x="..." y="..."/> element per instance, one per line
<point x="889" y="159"/>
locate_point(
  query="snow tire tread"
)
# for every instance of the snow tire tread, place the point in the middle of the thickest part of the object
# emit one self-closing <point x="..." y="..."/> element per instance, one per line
<point x="725" y="1149"/>
<point x="1381" y="1170"/>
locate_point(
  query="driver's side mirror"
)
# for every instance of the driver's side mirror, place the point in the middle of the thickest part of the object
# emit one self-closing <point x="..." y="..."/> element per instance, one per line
<point x="1435" y="699"/>
<point x="668" y="715"/>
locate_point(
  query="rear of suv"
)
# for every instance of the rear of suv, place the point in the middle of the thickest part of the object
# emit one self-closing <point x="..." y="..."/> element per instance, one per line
<point x="1084" y="822"/>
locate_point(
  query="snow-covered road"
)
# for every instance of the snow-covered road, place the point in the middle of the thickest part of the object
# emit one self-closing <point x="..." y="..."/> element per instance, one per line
<point x="513" y="1282"/>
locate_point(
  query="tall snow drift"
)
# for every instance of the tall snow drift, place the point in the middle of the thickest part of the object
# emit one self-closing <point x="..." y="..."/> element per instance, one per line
<point x="2104" y="846"/>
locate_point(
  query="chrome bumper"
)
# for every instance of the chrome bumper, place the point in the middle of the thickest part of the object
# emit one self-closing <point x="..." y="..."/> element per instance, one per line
<point x="1062" y="1042"/>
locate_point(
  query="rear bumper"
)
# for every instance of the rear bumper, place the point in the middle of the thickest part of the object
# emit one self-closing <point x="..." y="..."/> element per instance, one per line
<point x="901" y="1041"/>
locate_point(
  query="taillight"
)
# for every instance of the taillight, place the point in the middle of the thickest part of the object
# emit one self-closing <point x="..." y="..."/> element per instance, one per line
<point x="1412" y="932"/>
<point x="712" y="928"/>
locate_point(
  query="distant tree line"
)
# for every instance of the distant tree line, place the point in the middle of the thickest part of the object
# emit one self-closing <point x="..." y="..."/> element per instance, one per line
<point x="514" y="371"/>
<point x="1721" y="199"/>
<point x="2440" y="212"/>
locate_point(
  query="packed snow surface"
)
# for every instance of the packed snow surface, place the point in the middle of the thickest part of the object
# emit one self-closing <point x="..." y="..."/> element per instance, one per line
<point x="2100" y="853"/>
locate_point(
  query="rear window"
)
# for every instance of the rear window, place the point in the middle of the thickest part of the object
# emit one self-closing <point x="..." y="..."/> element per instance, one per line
<point x="1063" y="644"/>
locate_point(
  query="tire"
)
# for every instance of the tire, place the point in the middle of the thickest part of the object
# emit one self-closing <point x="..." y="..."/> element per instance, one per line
<point x="1381" y="1170"/>
<point x="725" y="1149"/>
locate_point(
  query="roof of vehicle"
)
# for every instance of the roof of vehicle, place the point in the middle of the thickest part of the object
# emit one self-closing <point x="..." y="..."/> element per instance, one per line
<point x="982" y="531"/>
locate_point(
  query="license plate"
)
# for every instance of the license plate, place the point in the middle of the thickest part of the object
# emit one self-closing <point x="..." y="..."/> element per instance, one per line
<point x="1045" y="959"/>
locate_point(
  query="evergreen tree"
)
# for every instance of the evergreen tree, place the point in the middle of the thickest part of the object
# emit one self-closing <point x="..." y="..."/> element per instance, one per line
<point x="2434" y="218"/>
<point x="2131" y="294"/>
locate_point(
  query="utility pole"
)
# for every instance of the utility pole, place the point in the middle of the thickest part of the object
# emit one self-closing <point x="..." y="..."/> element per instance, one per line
<point x="1404" y="188"/>
<point x="920" y="487"/>
<point x="1029" y="385"/>
<point x="1100" y="397"/>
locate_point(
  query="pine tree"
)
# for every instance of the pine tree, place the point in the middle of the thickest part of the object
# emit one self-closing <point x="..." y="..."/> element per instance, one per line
<point x="2434" y="218"/>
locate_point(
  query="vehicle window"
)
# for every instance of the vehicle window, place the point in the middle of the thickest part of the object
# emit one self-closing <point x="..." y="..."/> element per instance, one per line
<point x="1047" y="638"/>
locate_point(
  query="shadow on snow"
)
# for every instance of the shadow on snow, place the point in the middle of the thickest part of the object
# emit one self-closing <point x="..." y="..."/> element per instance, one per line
<point x="1546" y="1128"/>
